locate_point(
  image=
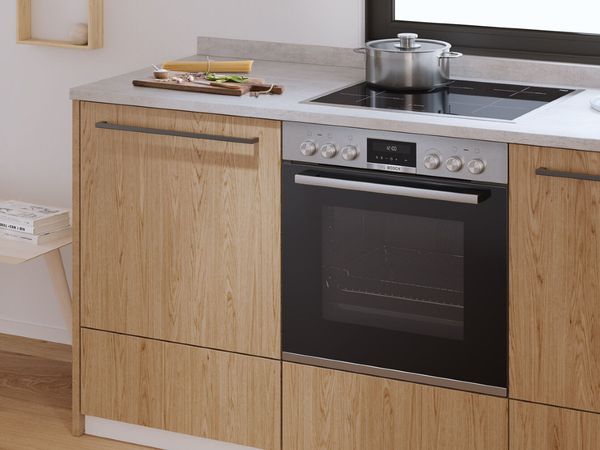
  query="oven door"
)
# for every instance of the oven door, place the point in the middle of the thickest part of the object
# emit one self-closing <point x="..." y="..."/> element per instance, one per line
<point x="396" y="275"/>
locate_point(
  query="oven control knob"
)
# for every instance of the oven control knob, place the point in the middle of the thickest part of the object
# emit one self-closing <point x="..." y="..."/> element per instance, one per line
<point x="476" y="166"/>
<point x="329" y="151"/>
<point x="349" y="152"/>
<point x="454" y="164"/>
<point x="308" y="148"/>
<point x="432" y="161"/>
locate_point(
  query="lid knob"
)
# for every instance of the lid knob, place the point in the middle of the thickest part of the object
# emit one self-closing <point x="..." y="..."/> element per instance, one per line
<point x="408" y="40"/>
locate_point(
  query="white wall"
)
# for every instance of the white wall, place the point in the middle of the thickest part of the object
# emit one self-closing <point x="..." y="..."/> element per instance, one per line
<point x="35" y="114"/>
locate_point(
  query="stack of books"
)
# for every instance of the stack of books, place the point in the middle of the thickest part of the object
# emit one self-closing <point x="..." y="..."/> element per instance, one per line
<point x="35" y="224"/>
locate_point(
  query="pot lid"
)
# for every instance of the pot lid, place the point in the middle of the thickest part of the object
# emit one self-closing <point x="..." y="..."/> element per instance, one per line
<point x="408" y="42"/>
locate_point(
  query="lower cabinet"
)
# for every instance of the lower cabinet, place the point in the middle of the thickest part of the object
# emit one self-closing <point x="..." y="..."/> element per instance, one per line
<point x="554" y="304"/>
<point x="212" y="394"/>
<point x="542" y="427"/>
<point x="330" y="410"/>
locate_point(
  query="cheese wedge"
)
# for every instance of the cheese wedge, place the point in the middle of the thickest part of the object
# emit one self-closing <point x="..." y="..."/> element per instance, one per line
<point x="209" y="66"/>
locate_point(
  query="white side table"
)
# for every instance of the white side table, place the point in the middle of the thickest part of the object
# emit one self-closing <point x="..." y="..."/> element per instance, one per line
<point x="14" y="252"/>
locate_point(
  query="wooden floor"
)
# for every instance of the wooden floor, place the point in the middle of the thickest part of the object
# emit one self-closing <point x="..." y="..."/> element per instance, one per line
<point x="35" y="398"/>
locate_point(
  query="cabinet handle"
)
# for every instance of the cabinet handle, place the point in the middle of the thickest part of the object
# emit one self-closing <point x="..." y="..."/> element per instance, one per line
<point x="184" y="134"/>
<point x="544" y="172"/>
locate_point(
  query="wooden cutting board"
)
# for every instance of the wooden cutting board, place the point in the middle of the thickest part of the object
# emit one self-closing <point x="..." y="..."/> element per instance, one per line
<point x="192" y="87"/>
<point x="236" y="89"/>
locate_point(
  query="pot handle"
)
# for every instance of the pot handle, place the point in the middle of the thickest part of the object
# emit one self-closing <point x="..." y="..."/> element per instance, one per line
<point x="451" y="55"/>
<point x="361" y="50"/>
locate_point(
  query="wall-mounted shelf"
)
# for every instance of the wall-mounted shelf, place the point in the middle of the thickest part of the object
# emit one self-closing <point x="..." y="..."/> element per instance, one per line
<point x="95" y="27"/>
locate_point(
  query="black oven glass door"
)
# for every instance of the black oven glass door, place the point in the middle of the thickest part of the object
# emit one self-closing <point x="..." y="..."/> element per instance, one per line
<point x="394" y="272"/>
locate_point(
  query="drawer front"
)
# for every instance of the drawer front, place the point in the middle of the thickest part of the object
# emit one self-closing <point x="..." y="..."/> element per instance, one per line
<point x="330" y="410"/>
<point x="180" y="234"/>
<point x="555" y="277"/>
<point x="544" y="427"/>
<point x="174" y="387"/>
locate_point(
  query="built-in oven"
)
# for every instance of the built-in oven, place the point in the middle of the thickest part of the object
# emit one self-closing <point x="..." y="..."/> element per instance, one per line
<point x="395" y="255"/>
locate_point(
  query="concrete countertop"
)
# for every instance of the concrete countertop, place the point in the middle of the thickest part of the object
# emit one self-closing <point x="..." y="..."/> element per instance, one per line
<point x="569" y="122"/>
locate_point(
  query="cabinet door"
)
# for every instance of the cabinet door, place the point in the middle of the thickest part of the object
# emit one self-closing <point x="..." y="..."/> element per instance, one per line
<point x="180" y="236"/>
<point x="550" y="428"/>
<point x="174" y="387"/>
<point x="329" y="410"/>
<point x="555" y="278"/>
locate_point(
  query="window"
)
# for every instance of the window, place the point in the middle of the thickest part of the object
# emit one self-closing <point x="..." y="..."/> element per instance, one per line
<point x="534" y="29"/>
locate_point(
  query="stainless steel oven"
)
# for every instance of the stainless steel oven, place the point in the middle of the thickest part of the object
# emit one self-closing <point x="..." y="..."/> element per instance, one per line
<point x="395" y="255"/>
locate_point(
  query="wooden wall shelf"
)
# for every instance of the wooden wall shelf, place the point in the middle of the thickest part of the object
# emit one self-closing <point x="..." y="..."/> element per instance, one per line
<point x="95" y="27"/>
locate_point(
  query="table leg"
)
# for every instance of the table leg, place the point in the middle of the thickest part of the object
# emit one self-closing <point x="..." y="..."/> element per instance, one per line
<point x="59" y="280"/>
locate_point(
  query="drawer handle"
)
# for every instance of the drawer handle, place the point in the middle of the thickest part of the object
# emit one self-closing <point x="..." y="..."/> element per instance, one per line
<point x="544" y="172"/>
<point x="184" y="134"/>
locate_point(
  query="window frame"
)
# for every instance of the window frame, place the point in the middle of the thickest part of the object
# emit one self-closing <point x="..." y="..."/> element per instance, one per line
<point x="487" y="41"/>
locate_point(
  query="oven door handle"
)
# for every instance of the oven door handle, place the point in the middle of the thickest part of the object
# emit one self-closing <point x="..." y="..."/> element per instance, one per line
<point x="403" y="191"/>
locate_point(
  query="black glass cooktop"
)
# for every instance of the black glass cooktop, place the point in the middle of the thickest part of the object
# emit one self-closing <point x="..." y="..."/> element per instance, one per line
<point x="460" y="98"/>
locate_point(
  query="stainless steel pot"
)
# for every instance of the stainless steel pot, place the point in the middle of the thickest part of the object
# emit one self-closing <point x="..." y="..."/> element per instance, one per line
<point x="408" y="63"/>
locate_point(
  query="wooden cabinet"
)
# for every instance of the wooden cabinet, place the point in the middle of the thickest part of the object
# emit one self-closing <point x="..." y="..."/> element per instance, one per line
<point x="330" y="410"/>
<point x="177" y="247"/>
<point x="180" y="227"/>
<point x="177" y="299"/>
<point x="208" y="393"/>
<point x="550" y="428"/>
<point x="555" y="278"/>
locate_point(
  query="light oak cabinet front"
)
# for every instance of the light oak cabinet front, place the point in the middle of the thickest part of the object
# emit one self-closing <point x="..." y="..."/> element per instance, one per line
<point x="330" y="410"/>
<point x="555" y="277"/>
<point x="544" y="427"/>
<point x="180" y="227"/>
<point x="207" y="393"/>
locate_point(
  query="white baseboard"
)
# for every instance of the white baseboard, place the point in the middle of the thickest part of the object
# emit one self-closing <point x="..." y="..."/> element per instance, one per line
<point x="35" y="331"/>
<point x="152" y="437"/>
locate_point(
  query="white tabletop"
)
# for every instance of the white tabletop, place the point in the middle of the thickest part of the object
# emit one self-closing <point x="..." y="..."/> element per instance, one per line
<point x="15" y="252"/>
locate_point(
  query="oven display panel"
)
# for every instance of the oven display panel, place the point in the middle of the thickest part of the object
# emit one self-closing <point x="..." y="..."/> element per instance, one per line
<point x="393" y="153"/>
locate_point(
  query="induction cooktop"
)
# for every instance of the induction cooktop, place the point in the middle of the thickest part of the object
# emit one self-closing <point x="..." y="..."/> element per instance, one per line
<point x="459" y="98"/>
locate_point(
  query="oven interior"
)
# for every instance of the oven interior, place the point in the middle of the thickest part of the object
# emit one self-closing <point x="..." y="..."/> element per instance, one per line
<point x="393" y="271"/>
